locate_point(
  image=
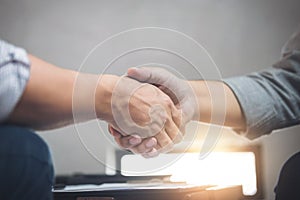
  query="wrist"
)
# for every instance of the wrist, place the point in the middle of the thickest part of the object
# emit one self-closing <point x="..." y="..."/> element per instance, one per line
<point x="194" y="100"/>
<point x="105" y="86"/>
<point x="201" y="101"/>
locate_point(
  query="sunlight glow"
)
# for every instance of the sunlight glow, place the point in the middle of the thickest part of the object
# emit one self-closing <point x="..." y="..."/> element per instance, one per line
<point x="219" y="168"/>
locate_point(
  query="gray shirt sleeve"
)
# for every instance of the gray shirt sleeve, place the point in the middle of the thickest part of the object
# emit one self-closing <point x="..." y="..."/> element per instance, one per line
<point x="14" y="74"/>
<point x="270" y="99"/>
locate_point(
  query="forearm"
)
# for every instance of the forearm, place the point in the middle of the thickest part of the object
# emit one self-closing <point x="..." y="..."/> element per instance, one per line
<point x="217" y="104"/>
<point x="47" y="101"/>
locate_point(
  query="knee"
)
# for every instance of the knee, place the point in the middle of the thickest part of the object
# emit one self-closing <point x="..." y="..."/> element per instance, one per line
<point x="25" y="161"/>
<point x="21" y="141"/>
<point x="289" y="179"/>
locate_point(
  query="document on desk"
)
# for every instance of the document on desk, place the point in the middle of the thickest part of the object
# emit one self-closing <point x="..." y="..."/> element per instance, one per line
<point x="125" y="186"/>
<point x="147" y="191"/>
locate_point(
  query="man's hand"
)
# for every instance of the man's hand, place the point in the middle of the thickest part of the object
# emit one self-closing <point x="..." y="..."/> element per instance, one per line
<point x="142" y="110"/>
<point x="177" y="89"/>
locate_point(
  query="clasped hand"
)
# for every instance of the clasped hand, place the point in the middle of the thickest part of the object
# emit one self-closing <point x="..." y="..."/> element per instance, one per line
<point x="150" y="112"/>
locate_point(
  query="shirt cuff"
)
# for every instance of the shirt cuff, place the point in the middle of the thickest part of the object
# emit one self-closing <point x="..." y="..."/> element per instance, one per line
<point x="256" y="104"/>
<point x="14" y="75"/>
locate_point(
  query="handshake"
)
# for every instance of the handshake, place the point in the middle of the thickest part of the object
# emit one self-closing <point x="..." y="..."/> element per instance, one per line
<point x="149" y="110"/>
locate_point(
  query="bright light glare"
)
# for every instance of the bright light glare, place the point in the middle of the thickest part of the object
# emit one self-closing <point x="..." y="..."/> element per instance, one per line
<point x="219" y="168"/>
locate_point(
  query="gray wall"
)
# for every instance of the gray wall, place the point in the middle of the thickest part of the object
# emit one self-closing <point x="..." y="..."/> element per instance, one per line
<point x="241" y="36"/>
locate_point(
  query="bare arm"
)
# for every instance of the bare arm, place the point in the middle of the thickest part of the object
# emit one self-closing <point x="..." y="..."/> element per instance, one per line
<point x="47" y="100"/>
<point x="55" y="97"/>
<point x="217" y="104"/>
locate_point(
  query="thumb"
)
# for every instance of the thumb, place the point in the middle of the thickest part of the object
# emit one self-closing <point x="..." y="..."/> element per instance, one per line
<point x="150" y="75"/>
<point x="139" y="74"/>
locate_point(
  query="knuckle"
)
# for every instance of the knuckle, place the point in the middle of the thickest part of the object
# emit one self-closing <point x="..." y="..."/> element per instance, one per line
<point x="140" y="149"/>
<point x="167" y="144"/>
<point x="144" y="117"/>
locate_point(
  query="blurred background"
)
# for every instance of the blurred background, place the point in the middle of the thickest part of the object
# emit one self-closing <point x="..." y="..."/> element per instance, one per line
<point x="241" y="36"/>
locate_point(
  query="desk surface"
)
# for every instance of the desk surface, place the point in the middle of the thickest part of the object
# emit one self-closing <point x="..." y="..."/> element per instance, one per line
<point x="149" y="191"/>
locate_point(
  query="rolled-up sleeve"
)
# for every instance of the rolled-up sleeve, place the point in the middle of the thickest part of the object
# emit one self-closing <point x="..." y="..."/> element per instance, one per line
<point x="14" y="74"/>
<point x="270" y="99"/>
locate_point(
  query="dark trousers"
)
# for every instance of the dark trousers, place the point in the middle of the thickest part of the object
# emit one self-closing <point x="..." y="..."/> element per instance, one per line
<point x="26" y="170"/>
<point x="288" y="186"/>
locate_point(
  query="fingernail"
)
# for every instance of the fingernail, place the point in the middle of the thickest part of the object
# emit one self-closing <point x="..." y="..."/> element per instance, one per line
<point x="150" y="143"/>
<point x="130" y="70"/>
<point x="134" y="141"/>
<point x="153" y="153"/>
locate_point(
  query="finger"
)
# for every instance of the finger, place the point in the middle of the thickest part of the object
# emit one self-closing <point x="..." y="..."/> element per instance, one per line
<point x="176" y="115"/>
<point x="151" y="154"/>
<point x="170" y="93"/>
<point x="173" y="123"/>
<point x="177" y="124"/>
<point x="134" y="142"/>
<point x="142" y="75"/>
<point x="173" y="132"/>
<point x="146" y="146"/>
<point x="114" y="132"/>
<point x="164" y="142"/>
<point x="157" y="76"/>
<point x="128" y="142"/>
<point x="120" y="143"/>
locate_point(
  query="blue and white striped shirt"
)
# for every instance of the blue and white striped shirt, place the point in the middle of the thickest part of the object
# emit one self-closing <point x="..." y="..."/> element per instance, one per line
<point x="14" y="74"/>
